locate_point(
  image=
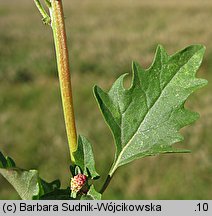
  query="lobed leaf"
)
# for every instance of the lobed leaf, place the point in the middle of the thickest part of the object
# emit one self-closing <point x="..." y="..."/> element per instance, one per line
<point x="146" y="118"/>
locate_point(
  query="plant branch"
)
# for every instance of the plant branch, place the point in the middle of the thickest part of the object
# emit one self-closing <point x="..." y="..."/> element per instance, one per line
<point x="48" y="3"/>
<point x="46" y="18"/>
<point x="60" y="40"/>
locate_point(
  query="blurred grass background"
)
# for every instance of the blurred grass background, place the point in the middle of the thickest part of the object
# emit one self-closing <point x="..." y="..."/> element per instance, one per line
<point x="104" y="37"/>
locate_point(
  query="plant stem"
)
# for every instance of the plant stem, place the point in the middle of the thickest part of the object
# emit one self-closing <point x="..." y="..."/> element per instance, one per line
<point x="60" y="41"/>
<point x="48" y="3"/>
<point x="107" y="182"/>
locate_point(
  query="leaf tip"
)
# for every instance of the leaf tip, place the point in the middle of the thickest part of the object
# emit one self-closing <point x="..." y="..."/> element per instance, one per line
<point x="136" y="70"/>
<point x="160" y="47"/>
<point x="199" y="48"/>
<point x="134" y="64"/>
<point x="96" y="92"/>
<point x="95" y="87"/>
<point x="79" y="138"/>
<point x="161" y="50"/>
<point x="204" y="82"/>
<point x="201" y="83"/>
<point x="184" y="151"/>
<point x="195" y="48"/>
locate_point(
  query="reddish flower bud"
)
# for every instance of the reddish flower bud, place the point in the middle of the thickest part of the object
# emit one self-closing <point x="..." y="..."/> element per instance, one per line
<point x="77" y="182"/>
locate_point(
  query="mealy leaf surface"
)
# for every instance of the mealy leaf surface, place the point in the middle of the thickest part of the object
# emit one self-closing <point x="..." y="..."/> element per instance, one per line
<point x="146" y="118"/>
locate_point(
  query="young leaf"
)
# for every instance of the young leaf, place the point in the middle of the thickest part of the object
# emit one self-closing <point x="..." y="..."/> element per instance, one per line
<point x="146" y="118"/>
<point x="84" y="158"/>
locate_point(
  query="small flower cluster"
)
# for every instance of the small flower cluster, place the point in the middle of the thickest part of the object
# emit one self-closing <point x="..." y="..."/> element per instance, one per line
<point x="77" y="182"/>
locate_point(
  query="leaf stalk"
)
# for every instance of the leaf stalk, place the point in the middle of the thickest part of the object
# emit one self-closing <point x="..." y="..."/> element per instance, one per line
<point x="106" y="183"/>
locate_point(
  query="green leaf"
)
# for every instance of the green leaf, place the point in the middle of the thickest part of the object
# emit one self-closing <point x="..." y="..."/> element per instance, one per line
<point x="6" y="162"/>
<point x="58" y="194"/>
<point x="27" y="183"/>
<point x="10" y="162"/>
<point x="3" y="161"/>
<point x="146" y="118"/>
<point x="84" y="158"/>
<point x="92" y="194"/>
<point x="49" y="187"/>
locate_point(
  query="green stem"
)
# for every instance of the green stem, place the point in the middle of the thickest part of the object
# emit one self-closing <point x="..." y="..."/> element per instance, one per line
<point x="46" y="18"/>
<point x="48" y="3"/>
<point x="60" y="41"/>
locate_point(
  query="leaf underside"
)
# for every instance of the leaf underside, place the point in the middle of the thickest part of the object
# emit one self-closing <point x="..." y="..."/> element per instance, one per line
<point x="146" y="118"/>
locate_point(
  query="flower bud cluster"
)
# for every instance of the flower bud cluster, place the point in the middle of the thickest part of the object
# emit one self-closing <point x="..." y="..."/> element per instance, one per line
<point x="77" y="182"/>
